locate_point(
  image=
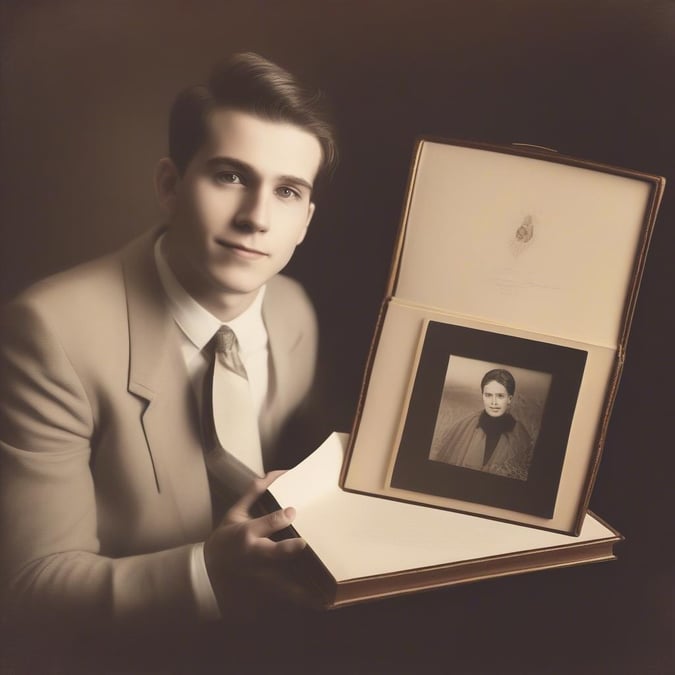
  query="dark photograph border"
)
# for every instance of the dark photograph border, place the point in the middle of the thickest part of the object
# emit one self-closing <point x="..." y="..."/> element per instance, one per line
<point x="414" y="471"/>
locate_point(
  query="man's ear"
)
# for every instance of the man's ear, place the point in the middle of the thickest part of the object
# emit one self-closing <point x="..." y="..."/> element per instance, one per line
<point x="310" y="213"/>
<point x="167" y="179"/>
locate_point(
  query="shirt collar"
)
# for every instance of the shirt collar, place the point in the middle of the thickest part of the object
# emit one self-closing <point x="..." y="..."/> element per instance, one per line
<point x="197" y="323"/>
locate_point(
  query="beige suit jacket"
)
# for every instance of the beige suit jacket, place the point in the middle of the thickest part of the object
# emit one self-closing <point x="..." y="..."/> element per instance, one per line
<point x="103" y="487"/>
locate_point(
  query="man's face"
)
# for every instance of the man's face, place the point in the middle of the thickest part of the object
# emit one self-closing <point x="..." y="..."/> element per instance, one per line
<point x="496" y="399"/>
<point x="242" y="206"/>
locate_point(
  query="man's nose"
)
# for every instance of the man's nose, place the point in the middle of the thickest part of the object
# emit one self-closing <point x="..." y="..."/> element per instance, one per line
<point x="253" y="213"/>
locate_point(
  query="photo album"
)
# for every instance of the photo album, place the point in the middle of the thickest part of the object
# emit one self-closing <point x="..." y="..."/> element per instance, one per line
<point x="491" y="377"/>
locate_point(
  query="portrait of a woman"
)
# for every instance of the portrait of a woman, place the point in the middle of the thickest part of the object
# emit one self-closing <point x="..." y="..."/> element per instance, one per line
<point x="492" y="439"/>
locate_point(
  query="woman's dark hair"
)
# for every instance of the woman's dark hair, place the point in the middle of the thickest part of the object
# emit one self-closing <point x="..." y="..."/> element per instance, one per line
<point x="252" y="84"/>
<point x="501" y="376"/>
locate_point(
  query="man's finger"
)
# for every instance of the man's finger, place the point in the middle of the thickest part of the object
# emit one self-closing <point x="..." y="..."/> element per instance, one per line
<point x="257" y="488"/>
<point x="272" y="522"/>
<point x="280" y="550"/>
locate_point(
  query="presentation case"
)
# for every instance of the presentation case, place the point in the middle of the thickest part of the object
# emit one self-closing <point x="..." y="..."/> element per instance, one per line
<point x="506" y="317"/>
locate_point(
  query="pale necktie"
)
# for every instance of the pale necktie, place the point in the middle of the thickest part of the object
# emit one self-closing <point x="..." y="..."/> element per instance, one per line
<point x="234" y="416"/>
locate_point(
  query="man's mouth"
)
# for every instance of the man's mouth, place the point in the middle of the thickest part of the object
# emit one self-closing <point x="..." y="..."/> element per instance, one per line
<point x="241" y="251"/>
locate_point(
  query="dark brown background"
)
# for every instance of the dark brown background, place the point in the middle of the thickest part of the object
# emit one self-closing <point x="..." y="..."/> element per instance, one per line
<point x="85" y="89"/>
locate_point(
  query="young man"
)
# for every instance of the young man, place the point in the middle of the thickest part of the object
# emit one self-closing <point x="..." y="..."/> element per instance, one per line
<point x="105" y="505"/>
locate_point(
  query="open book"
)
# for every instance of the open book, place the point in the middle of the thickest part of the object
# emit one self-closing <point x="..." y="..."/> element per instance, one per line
<point x="362" y="547"/>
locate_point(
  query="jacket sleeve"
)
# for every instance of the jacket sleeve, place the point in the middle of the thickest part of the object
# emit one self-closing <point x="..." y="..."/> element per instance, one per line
<point x="50" y="561"/>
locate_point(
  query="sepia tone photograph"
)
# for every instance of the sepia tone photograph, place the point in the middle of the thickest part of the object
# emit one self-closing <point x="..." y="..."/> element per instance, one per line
<point x="488" y="418"/>
<point x="85" y="94"/>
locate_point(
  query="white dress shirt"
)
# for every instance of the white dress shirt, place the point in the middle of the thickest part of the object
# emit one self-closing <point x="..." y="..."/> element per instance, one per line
<point x="198" y="326"/>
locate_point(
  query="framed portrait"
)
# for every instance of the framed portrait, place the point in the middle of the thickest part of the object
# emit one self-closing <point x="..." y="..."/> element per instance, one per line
<point x="488" y="418"/>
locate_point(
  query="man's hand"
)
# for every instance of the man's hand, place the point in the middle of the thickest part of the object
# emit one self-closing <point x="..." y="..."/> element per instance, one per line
<point x="247" y="569"/>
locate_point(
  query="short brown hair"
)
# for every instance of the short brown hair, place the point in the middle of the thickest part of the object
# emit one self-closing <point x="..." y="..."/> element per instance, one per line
<point x="252" y="84"/>
<point x="501" y="376"/>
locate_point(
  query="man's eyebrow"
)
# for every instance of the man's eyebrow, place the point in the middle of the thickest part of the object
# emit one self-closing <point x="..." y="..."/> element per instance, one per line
<point x="236" y="164"/>
<point x="246" y="168"/>
<point x="296" y="180"/>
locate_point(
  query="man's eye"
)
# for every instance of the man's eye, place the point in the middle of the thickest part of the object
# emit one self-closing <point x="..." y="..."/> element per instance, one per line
<point x="228" y="177"/>
<point x="287" y="193"/>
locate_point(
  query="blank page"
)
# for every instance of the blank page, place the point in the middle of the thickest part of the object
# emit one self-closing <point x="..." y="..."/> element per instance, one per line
<point x="541" y="246"/>
<point x="358" y="536"/>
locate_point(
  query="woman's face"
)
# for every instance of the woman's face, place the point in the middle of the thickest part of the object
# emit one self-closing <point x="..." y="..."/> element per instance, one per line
<point x="496" y="399"/>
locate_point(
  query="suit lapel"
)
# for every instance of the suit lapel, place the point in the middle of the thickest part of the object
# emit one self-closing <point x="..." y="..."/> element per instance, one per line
<point x="152" y="332"/>
<point x="157" y="374"/>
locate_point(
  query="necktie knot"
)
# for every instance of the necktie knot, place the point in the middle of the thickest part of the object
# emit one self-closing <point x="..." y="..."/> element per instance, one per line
<point x="226" y="347"/>
<point x="225" y="340"/>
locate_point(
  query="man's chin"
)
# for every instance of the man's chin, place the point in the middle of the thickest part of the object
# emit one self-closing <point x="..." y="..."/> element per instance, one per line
<point x="235" y="292"/>
<point x="235" y="286"/>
